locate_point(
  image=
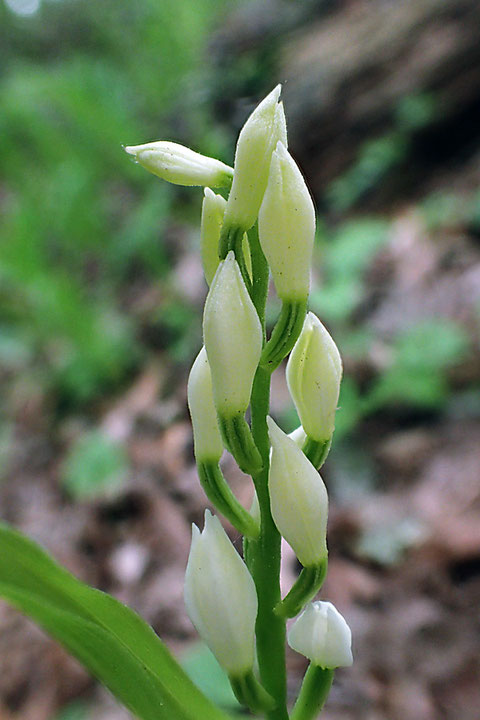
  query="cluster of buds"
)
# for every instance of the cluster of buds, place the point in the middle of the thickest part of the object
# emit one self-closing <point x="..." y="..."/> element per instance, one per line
<point x="267" y="223"/>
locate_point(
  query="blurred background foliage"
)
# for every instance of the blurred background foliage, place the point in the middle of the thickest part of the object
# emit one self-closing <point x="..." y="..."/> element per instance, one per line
<point x="97" y="280"/>
<point x="82" y="225"/>
<point x="78" y="80"/>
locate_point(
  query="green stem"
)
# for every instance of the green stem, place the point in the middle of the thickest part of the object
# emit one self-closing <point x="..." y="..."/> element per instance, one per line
<point x="219" y="493"/>
<point x="263" y="556"/>
<point x="285" y="333"/>
<point x="231" y="238"/>
<point x="259" y="274"/>
<point x="239" y="441"/>
<point x="316" y="450"/>
<point x="313" y="694"/>
<point x="303" y="590"/>
<point x="250" y="693"/>
<point x="240" y="258"/>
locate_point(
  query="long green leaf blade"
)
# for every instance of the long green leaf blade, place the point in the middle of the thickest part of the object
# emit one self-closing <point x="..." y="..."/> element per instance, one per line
<point x="114" y="643"/>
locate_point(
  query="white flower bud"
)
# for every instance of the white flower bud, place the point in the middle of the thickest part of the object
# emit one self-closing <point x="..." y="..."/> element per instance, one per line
<point x="298" y="436"/>
<point x="213" y="209"/>
<point x="180" y="165"/>
<point x="220" y="597"/>
<point x="314" y="372"/>
<point x="322" y="635"/>
<point x="286" y="224"/>
<point x="298" y="499"/>
<point x="256" y="142"/>
<point x="233" y="339"/>
<point x="206" y="435"/>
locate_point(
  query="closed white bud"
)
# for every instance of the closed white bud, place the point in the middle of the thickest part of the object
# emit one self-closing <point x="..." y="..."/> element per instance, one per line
<point x="298" y="499"/>
<point x="256" y="142"/>
<point x="220" y="597"/>
<point x="298" y="436"/>
<point x="323" y="636"/>
<point x="180" y="165"/>
<point x="314" y="372"/>
<point x="233" y="338"/>
<point x="206" y="435"/>
<point x="286" y="224"/>
<point x="213" y="209"/>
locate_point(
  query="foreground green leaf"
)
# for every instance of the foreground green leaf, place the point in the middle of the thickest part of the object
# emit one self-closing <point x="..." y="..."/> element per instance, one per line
<point x="114" y="643"/>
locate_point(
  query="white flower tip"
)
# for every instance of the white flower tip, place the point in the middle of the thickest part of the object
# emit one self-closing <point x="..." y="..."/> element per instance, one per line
<point x="208" y="193"/>
<point x="276" y="92"/>
<point x="271" y="423"/>
<point x="209" y="520"/>
<point x="322" y="634"/>
<point x="270" y="101"/>
<point x="311" y="319"/>
<point x="274" y="431"/>
<point x="281" y="150"/>
<point x="195" y="534"/>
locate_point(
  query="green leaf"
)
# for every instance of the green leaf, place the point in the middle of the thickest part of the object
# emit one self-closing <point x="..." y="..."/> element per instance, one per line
<point x="202" y="667"/>
<point x="114" y="643"/>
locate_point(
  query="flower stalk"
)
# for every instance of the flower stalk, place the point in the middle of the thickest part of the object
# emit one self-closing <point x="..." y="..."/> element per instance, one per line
<point x="267" y="225"/>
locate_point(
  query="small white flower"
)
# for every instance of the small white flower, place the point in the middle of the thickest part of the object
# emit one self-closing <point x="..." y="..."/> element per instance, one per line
<point x="298" y="499"/>
<point x="180" y="165"/>
<point x="206" y="434"/>
<point x="314" y="372"/>
<point x="286" y="224"/>
<point x="322" y="635"/>
<point x="233" y="339"/>
<point x="256" y="142"/>
<point x="220" y="597"/>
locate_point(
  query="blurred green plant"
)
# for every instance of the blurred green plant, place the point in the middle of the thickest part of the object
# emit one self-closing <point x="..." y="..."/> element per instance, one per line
<point x="416" y="375"/>
<point x="73" y="711"/>
<point x="345" y="257"/>
<point x="378" y="156"/>
<point x="421" y="356"/>
<point x="77" y="225"/>
<point x="95" y="465"/>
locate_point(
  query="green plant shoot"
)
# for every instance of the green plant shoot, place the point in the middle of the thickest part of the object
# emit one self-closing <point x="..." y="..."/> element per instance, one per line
<point x="266" y="226"/>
